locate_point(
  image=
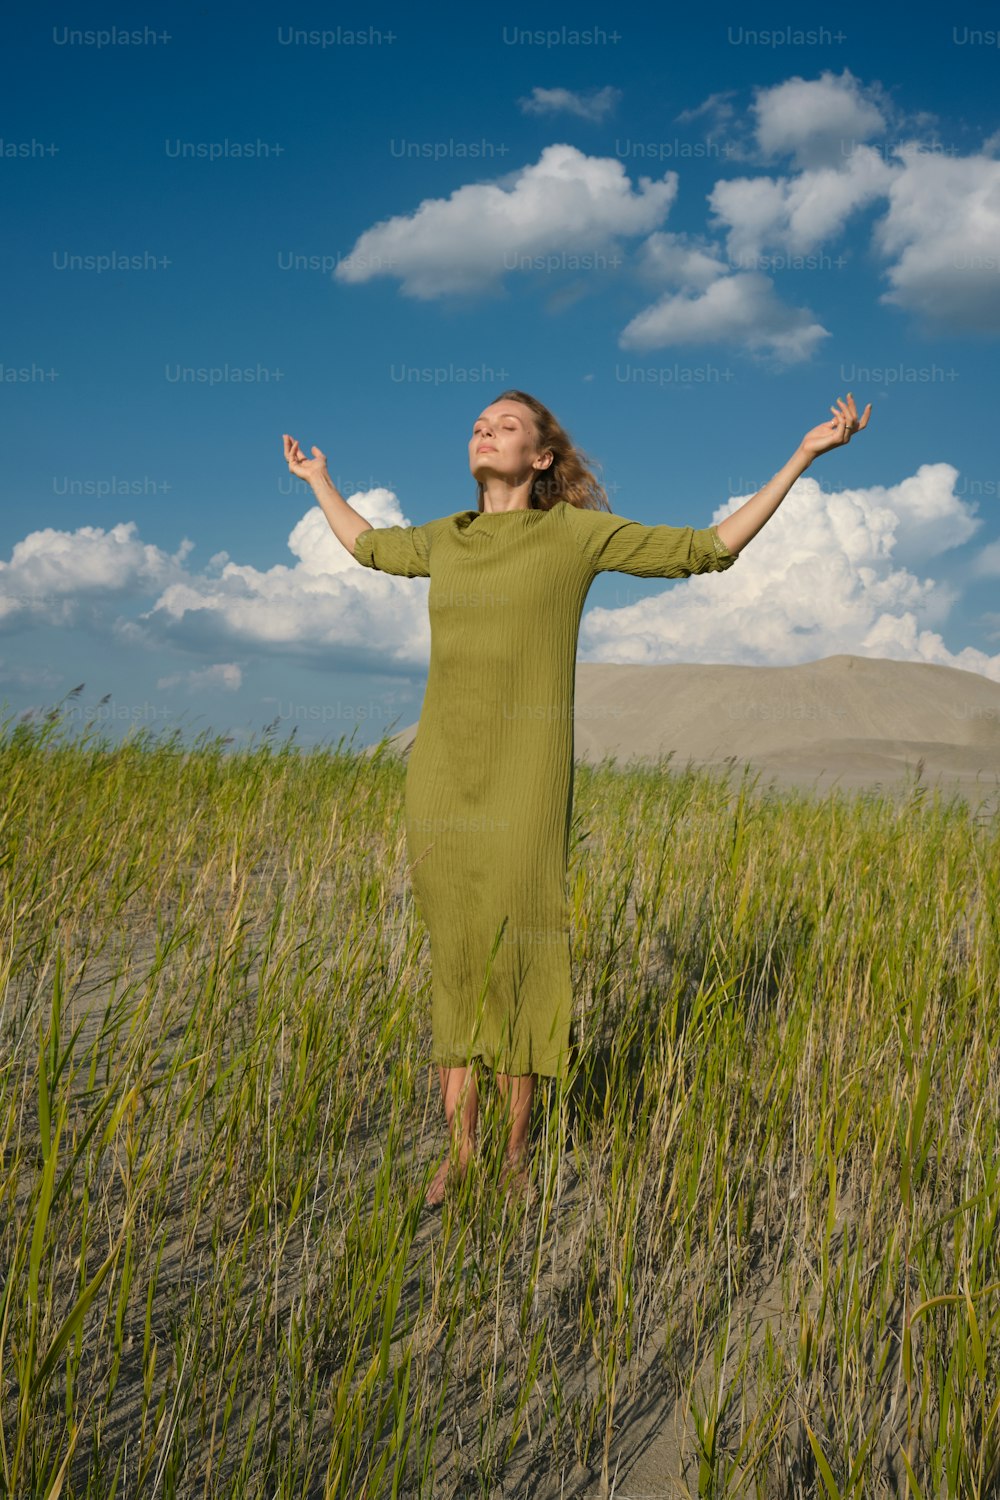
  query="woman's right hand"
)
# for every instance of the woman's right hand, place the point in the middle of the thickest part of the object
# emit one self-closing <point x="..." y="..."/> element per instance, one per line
<point x="302" y="467"/>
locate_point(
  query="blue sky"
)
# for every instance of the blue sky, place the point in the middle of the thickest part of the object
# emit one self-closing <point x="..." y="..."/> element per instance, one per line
<point x="687" y="236"/>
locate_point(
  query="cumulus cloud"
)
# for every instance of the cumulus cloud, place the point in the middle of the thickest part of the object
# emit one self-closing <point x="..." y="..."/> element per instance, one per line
<point x="680" y="261"/>
<point x="938" y="235"/>
<point x="593" y="106"/>
<point x="850" y="571"/>
<point x="943" y="225"/>
<point x="565" y="202"/>
<point x="721" y="297"/>
<point x="823" y="577"/>
<point x="818" y="122"/>
<point x="932" y="518"/>
<point x="742" y="309"/>
<point x="52" y="574"/>
<point x="323" y="606"/>
<point x="797" y="213"/>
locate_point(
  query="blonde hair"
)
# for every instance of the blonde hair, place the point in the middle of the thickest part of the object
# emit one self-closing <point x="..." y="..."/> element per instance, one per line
<point x="568" y="476"/>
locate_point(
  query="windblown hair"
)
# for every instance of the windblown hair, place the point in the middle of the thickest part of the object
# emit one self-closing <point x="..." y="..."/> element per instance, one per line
<point x="568" y="476"/>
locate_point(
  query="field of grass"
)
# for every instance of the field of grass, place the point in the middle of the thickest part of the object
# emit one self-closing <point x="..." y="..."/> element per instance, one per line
<point x="762" y="1257"/>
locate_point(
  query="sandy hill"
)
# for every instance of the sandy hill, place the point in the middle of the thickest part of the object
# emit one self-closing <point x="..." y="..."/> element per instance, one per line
<point x="853" y="721"/>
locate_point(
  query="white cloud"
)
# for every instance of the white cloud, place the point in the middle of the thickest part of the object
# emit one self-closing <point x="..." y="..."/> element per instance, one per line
<point x="940" y="232"/>
<point x="942" y="227"/>
<point x="51" y="573"/>
<point x="823" y="577"/>
<point x="742" y="309"/>
<point x="325" y="605"/>
<point x="797" y="213"/>
<point x="848" y="571"/>
<point x="593" y="106"/>
<point x="566" y="202"/>
<point x="704" y="303"/>
<point x="932" y="518"/>
<point x="943" y="224"/>
<point x="680" y="261"/>
<point x="818" y="122"/>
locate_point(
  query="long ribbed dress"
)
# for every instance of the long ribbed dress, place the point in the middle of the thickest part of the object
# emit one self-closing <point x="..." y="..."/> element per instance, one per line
<point x="489" y="783"/>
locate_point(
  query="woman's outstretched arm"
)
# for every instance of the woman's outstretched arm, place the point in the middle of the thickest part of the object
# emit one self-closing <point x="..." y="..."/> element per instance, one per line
<point x="738" y="529"/>
<point x="345" y="523"/>
<point x="389" y="549"/>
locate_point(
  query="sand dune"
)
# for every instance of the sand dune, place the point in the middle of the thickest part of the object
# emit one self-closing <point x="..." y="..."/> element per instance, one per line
<point x="856" y="722"/>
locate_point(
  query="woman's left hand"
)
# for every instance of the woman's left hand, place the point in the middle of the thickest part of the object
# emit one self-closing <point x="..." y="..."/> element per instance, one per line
<point x="839" y="430"/>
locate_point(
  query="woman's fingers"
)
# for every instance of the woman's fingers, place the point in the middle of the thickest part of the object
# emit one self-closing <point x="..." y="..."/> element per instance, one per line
<point x="863" y="420"/>
<point x="299" y="462"/>
<point x="293" y="453"/>
<point x="847" y="412"/>
<point x="849" y="416"/>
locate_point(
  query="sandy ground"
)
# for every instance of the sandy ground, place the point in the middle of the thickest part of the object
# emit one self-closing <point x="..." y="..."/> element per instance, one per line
<point x="854" y="723"/>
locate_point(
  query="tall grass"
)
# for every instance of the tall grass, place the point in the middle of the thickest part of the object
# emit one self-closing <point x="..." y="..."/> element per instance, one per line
<point x="762" y="1255"/>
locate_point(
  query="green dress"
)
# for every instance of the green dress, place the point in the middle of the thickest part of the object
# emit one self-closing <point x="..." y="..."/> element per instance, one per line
<point x="489" y="782"/>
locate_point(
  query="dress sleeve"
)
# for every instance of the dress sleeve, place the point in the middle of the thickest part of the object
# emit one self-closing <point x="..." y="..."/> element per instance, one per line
<point x="614" y="544"/>
<point x="396" y="549"/>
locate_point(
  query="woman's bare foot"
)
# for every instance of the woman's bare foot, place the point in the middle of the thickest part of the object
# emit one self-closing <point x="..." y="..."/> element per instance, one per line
<point x="447" y="1172"/>
<point x="514" y="1177"/>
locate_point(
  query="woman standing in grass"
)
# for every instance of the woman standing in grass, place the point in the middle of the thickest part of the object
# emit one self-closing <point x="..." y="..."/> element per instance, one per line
<point x="489" y="783"/>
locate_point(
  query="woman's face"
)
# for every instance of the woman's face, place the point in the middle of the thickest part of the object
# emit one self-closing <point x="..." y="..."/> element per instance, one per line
<point x="504" y="443"/>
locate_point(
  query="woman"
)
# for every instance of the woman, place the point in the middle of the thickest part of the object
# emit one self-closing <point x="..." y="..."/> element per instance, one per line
<point x="489" y="784"/>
